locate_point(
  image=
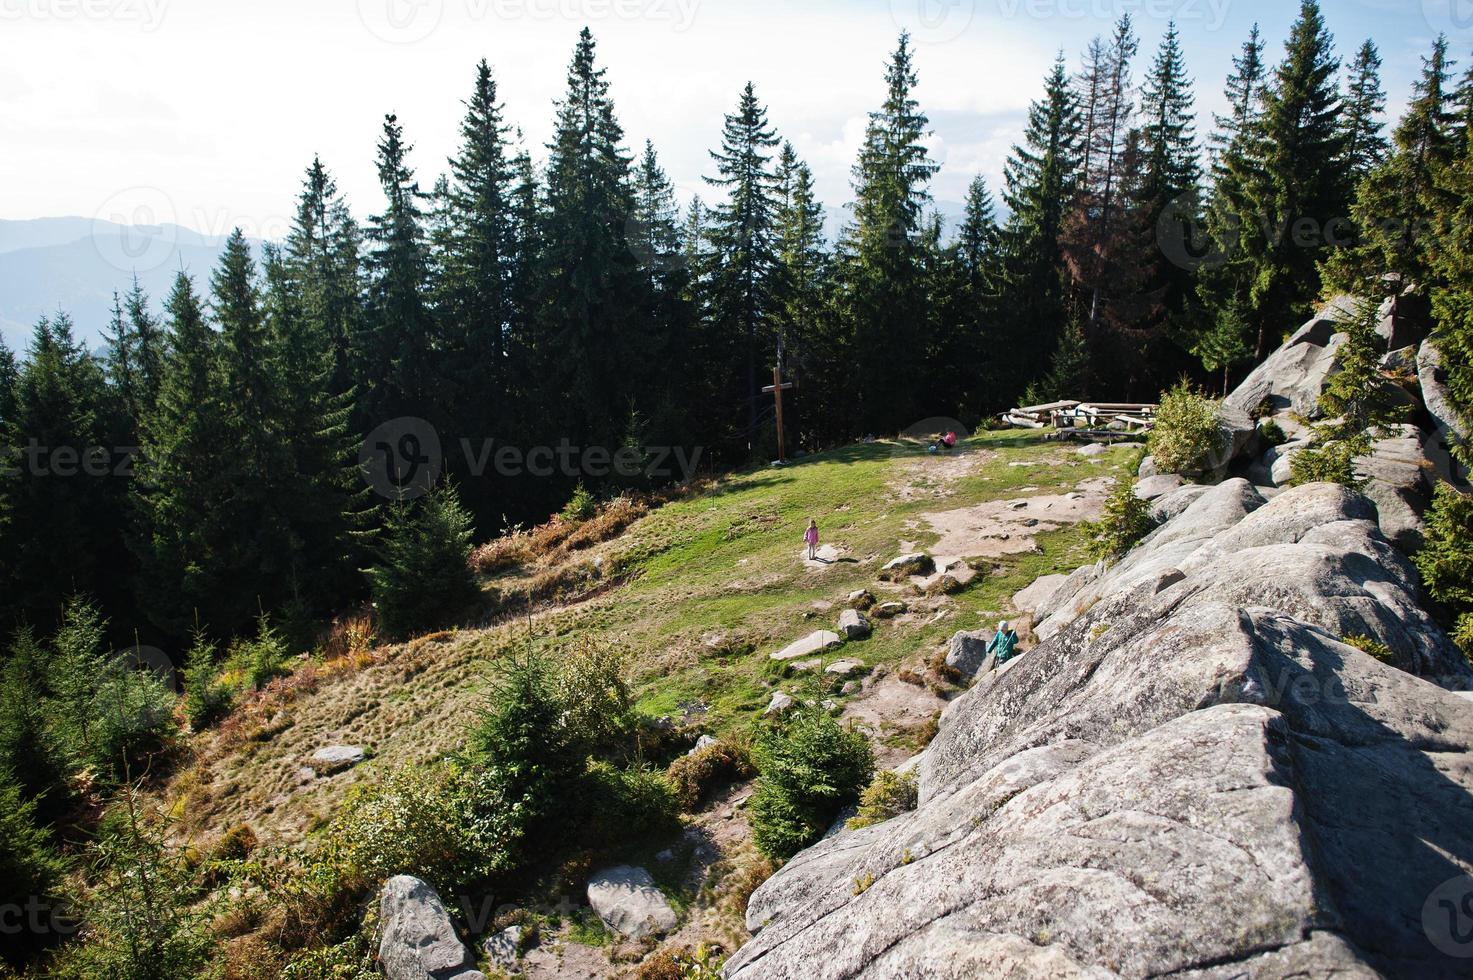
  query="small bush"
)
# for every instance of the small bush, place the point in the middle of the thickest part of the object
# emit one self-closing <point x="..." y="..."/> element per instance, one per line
<point x="1446" y="561"/>
<point x="1125" y="521"/>
<point x="887" y="796"/>
<point x="252" y="664"/>
<point x="207" y="698"/>
<point x="1332" y="462"/>
<point x="616" y="806"/>
<point x="694" y="776"/>
<point x="1375" y="648"/>
<point x="442" y="823"/>
<point x="811" y="769"/>
<point x="1188" y="431"/>
<point x="1272" y="433"/>
<point x="580" y="507"/>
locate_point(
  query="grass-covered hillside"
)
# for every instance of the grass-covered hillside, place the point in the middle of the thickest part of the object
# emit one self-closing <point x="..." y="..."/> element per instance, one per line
<point x="706" y="587"/>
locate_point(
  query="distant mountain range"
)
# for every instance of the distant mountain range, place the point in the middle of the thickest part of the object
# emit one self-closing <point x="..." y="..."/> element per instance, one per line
<point x="75" y="264"/>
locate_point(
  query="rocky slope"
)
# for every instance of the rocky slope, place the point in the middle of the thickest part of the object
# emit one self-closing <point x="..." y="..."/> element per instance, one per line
<point x="1193" y="775"/>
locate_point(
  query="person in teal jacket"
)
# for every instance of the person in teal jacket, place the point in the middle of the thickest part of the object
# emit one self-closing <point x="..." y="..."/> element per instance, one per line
<point x="1004" y="644"/>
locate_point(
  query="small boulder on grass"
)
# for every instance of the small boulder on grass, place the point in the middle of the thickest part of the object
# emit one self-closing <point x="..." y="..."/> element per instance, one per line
<point x="901" y="568"/>
<point x="854" y="625"/>
<point x="336" y="758"/>
<point x="889" y="610"/>
<point x="627" y="900"/>
<point x="861" y="599"/>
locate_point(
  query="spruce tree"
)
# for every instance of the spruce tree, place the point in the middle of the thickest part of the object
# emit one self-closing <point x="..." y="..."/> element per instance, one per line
<point x="423" y="580"/>
<point x="744" y="286"/>
<point x="396" y="374"/>
<point x="589" y="284"/>
<point x="801" y="252"/>
<point x="323" y="273"/>
<point x="1399" y="202"/>
<point x="121" y="362"/>
<point x="1365" y="147"/>
<point x="65" y="503"/>
<point x="883" y="302"/>
<point x="1295" y="187"/>
<point x="1041" y="178"/>
<point x="187" y="525"/>
<point x="969" y="301"/>
<point x="148" y="346"/>
<point x="478" y="259"/>
<point x="8" y="378"/>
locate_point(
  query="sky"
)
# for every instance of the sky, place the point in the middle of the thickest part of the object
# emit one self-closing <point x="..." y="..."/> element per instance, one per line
<point x="205" y="112"/>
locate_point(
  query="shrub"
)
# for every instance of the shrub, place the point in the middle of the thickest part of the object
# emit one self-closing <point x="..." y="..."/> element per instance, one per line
<point x="443" y="823"/>
<point x="616" y="805"/>
<point x="28" y="747"/>
<point x="424" y="578"/>
<point x="1272" y="433"/>
<point x="207" y="698"/>
<point x="580" y="507"/>
<point x="1125" y="521"/>
<point x="1446" y="561"/>
<point x="1375" y="648"/>
<point x="598" y="711"/>
<point x="105" y="715"/>
<point x="31" y="868"/>
<point x="889" y="795"/>
<point x="1188" y="431"/>
<point x="697" y="774"/>
<point x="252" y="664"/>
<point x="1329" y="462"/>
<point x="811" y="769"/>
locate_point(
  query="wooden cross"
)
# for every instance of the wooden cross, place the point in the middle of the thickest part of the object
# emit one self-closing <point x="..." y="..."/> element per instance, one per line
<point x="776" y="389"/>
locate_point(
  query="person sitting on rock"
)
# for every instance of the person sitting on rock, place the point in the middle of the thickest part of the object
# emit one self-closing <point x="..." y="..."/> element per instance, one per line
<point x="1004" y="645"/>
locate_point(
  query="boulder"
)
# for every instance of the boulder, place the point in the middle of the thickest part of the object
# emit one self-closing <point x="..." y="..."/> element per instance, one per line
<point x="336" y="758"/>
<point x="811" y="644"/>
<point x="780" y="705"/>
<point x="901" y="568"/>
<point x="1398" y="331"/>
<point x="1093" y="450"/>
<point x="1292" y="378"/>
<point x="1402" y="362"/>
<point x="853" y="625"/>
<point x="1036" y="597"/>
<point x="1395" y="472"/>
<point x="503" y="948"/>
<point x="1196" y="779"/>
<point x="889" y="610"/>
<point x="1239" y="437"/>
<point x="843" y="668"/>
<point x="1278" y="461"/>
<point x="967" y="651"/>
<point x="953" y="578"/>
<point x="626" y="899"/>
<point x="1153" y="487"/>
<point x="417" y="939"/>
<point x="1164" y="508"/>
<point x="860" y="599"/>
<point x="1147" y="468"/>
<point x="705" y="741"/>
<point x="1452" y="428"/>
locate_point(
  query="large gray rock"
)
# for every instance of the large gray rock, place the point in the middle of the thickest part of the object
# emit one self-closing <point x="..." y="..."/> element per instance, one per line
<point x="1314" y="551"/>
<point x="1292" y="378"/>
<point x="1452" y="428"/>
<point x="1153" y="487"/>
<point x="1173" y="504"/>
<point x="626" y="899"/>
<point x="1195" y="780"/>
<point x="816" y="642"/>
<point x="1395" y="472"/>
<point x="1037" y="597"/>
<point x="417" y="939"/>
<point x="967" y="651"/>
<point x="1239" y="437"/>
<point x="854" y="625"/>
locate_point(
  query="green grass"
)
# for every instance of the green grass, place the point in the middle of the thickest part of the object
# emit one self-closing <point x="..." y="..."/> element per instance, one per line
<point x="729" y="560"/>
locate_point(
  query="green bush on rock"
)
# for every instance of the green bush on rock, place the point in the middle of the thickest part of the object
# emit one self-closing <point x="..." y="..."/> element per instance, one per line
<point x="810" y="770"/>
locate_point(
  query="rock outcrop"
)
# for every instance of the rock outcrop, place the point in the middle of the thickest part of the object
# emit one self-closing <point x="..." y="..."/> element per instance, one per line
<point x="417" y="939"/>
<point x="1194" y="776"/>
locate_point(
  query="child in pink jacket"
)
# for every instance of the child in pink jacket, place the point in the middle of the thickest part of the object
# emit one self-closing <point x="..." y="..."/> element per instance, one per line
<point x="811" y="536"/>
